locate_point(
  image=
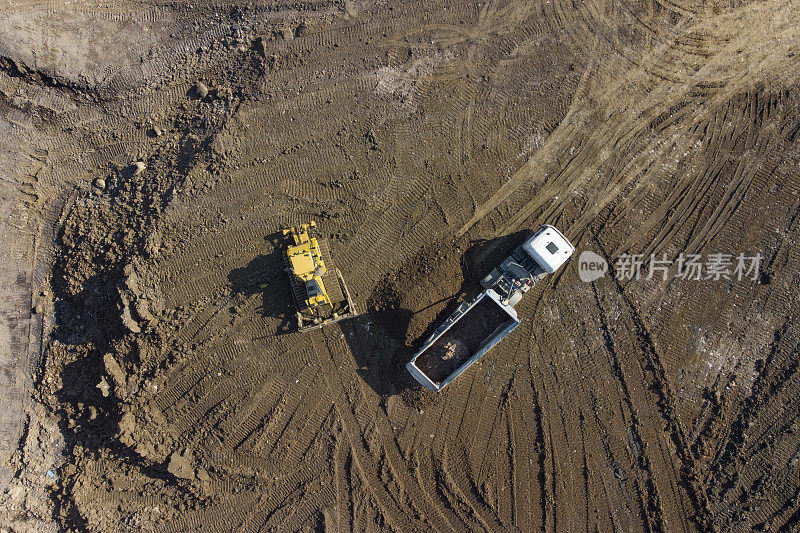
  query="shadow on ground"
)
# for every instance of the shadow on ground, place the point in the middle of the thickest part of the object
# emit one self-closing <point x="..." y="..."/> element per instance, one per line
<point x="379" y="337"/>
<point x="266" y="275"/>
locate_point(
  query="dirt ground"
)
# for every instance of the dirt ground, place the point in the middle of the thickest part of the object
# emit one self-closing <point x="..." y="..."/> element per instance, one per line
<point x="152" y="378"/>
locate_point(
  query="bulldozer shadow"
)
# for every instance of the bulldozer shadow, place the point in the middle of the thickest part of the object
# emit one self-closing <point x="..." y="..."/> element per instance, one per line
<point x="266" y="275"/>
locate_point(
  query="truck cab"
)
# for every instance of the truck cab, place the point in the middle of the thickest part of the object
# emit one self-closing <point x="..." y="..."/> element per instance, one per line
<point x="540" y="254"/>
<point x="549" y="248"/>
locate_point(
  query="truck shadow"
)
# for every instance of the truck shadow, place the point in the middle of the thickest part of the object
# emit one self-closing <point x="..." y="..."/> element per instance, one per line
<point x="380" y="340"/>
<point x="485" y="254"/>
<point x="266" y="275"/>
<point x="376" y="340"/>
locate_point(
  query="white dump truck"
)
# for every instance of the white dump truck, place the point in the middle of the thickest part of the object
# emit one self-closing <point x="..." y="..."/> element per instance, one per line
<point x="477" y="325"/>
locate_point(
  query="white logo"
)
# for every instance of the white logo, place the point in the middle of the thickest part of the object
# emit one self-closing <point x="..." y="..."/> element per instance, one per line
<point x="591" y="266"/>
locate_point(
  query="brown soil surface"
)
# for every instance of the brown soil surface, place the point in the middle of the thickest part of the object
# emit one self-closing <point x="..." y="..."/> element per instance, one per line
<point x="150" y="371"/>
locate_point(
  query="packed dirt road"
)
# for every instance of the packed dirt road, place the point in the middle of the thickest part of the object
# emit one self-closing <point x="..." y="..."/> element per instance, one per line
<point x="152" y="377"/>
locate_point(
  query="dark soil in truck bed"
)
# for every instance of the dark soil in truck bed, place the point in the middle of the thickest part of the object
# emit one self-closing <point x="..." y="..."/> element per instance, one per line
<point x="462" y="340"/>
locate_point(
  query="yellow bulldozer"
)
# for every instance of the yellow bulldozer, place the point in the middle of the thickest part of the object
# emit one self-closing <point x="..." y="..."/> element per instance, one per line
<point x="320" y="292"/>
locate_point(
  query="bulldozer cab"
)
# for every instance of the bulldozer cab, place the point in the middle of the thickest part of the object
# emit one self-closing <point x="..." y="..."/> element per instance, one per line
<point x="319" y="289"/>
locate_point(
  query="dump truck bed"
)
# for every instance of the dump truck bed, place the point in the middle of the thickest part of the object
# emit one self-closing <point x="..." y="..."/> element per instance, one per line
<point x="462" y="339"/>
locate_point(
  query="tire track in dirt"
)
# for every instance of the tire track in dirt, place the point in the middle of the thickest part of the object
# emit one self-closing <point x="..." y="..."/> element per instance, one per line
<point x="628" y="119"/>
<point x="291" y="432"/>
<point x="390" y="509"/>
<point x="684" y="201"/>
<point x="420" y="496"/>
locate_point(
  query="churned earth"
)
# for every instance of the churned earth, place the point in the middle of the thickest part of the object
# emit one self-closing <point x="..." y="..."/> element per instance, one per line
<point x="152" y="376"/>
